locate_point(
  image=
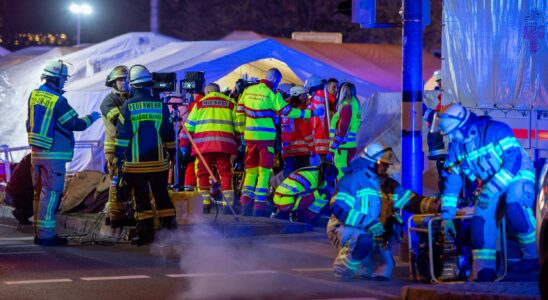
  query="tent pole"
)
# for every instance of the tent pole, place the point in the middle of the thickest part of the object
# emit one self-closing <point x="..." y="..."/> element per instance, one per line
<point x="412" y="90"/>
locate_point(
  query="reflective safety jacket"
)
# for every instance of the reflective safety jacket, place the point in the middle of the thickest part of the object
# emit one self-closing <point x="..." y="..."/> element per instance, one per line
<point x="319" y="124"/>
<point x="211" y="122"/>
<point x="110" y="110"/>
<point x="493" y="155"/>
<point x="301" y="183"/>
<point x="142" y="132"/>
<point x="358" y="197"/>
<point x="258" y="109"/>
<point x="345" y="125"/>
<point x="51" y="122"/>
<point x="297" y="137"/>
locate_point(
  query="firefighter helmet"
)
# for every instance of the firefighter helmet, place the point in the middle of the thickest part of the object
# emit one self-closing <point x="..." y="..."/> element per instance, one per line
<point x="116" y="73"/>
<point x="379" y="153"/>
<point x="437" y="75"/>
<point x="297" y="91"/>
<point x="312" y="81"/>
<point x="55" y="68"/>
<point x="451" y="117"/>
<point x="139" y="75"/>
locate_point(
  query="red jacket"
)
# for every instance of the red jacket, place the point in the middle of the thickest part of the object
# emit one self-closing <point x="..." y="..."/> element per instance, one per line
<point x="320" y="129"/>
<point x="296" y="137"/>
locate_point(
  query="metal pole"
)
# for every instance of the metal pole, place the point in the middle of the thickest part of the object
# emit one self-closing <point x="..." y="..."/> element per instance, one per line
<point x="412" y="90"/>
<point x="77" y="29"/>
<point x="154" y="16"/>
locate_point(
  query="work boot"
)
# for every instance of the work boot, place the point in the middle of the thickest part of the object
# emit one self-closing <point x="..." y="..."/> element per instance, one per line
<point x="345" y="276"/>
<point x="145" y="233"/>
<point x="169" y="222"/>
<point x="53" y="241"/>
<point x="524" y="266"/>
<point x="120" y="223"/>
<point x="486" y="275"/>
<point x="247" y="210"/>
<point x="280" y="215"/>
<point x="260" y="213"/>
<point x="229" y="197"/>
<point x="207" y="209"/>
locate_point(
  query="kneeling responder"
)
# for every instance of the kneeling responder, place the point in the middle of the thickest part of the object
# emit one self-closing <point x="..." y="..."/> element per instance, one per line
<point x="143" y="134"/>
<point x="110" y="110"/>
<point x="211" y="124"/>
<point x="356" y="224"/>
<point x="484" y="149"/>
<point x="304" y="193"/>
<point x="50" y="126"/>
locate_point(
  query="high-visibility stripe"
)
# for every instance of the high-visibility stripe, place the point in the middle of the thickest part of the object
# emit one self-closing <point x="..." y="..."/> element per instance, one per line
<point x="51" y="155"/>
<point x="256" y="128"/>
<point x="449" y="200"/>
<point x="67" y="116"/>
<point x="214" y="139"/>
<point x="121" y="142"/>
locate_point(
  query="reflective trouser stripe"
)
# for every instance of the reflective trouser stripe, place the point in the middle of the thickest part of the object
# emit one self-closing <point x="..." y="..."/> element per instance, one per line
<point x="51" y="177"/>
<point x="261" y="189"/>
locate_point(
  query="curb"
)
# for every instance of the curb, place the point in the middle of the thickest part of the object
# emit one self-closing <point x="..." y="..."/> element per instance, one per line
<point x="484" y="291"/>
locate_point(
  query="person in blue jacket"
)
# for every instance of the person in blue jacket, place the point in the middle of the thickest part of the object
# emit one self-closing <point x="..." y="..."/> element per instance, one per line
<point x="356" y="224"/>
<point x="51" y="122"/>
<point x="486" y="150"/>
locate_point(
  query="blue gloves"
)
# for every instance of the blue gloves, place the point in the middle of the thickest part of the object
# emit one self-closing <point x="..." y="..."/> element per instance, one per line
<point x="329" y="157"/>
<point x="449" y="227"/>
<point x="318" y="111"/>
<point x="94" y="116"/>
<point x="377" y="229"/>
<point x="315" y="160"/>
<point x="184" y="151"/>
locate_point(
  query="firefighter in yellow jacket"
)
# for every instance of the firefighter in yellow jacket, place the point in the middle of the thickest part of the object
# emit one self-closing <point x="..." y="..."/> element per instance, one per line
<point x="143" y="134"/>
<point x="110" y="110"/>
<point x="258" y="110"/>
<point x="50" y="126"/>
<point x="211" y="124"/>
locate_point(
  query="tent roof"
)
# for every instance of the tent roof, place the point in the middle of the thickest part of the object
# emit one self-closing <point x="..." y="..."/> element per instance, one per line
<point x="243" y="35"/>
<point x="4" y="51"/>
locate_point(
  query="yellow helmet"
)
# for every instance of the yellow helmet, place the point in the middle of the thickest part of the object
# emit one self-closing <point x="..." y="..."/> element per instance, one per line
<point x="116" y="73"/>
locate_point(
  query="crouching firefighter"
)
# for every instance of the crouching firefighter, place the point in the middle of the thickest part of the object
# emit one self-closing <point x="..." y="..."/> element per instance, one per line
<point x="51" y="122"/>
<point x="143" y="134"/>
<point x="110" y="110"/>
<point x="305" y="192"/>
<point x="356" y="226"/>
<point x="484" y="149"/>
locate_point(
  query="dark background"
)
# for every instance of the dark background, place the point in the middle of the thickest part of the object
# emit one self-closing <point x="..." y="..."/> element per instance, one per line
<point x="205" y="19"/>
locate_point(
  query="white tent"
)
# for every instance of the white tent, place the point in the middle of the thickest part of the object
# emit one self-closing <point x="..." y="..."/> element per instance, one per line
<point x="18" y="81"/>
<point x="4" y="51"/>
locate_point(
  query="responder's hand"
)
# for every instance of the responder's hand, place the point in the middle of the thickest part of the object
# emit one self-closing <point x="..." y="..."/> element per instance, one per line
<point x="94" y="116"/>
<point x="329" y="157"/>
<point x="184" y="151"/>
<point x="315" y="160"/>
<point x="433" y="205"/>
<point x="449" y="227"/>
<point x="318" y="111"/>
<point x="377" y="229"/>
<point x="483" y="199"/>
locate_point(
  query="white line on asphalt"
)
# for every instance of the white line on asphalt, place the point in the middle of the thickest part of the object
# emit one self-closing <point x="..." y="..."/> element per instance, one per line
<point x="22" y="252"/>
<point x="194" y="275"/>
<point x="115" y="277"/>
<point x="312" y="269"/>
<point x="38" y="281"/>
<point x="23" y="238"/>
<point x="258" y="272"/>
<point x="18" y="246"/>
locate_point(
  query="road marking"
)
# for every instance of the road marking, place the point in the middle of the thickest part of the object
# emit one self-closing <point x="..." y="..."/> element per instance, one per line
<point x="22" y="252"/>
<point x="194" y="275"/>
<point x="24" y="238"/>
<point x="17" y="246"/>
<point x="38" y="281"/>
<point x="256" y="272"/>
<point x="115" y="277"/>
<point x="312" y="269"/>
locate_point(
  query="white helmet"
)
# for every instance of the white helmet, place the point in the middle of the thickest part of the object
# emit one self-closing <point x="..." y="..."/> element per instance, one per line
<point x="312" y="81"/>
<point x="297" y="91"/>
<point x="379" y="153"/>
<point x="139" y="75"/>
<point x="451" y="117"/>
<point x="55" y="68"/>
<point x="437" y="75"/>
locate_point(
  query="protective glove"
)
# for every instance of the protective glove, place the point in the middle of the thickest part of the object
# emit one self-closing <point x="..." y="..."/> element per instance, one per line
<point x="315" y="160"/>
<point x="94" y="116"/>
<point x="485" y="196"/>
<point x="449" y="227"/>
<point x="184" y="151"/>
<point x="329" y="157"/>
<point x="318" y="111"/>
<point x="377" y="229"/>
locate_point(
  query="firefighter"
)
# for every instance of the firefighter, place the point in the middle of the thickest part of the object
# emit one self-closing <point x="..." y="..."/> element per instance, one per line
<point x="297" y="143"/>
<point x="143" y="134"/>
<point x="356" y="224"/>
<point x="211" y="124"/>
<point x="305" y="192"/>
<point x="257" y="109"/>
<point x="484" y="149"/>
<point x="110" y="110"/>
<point x="51" y="122"/>
<point x="344" y="128"/>
<point x="320" y="130"/>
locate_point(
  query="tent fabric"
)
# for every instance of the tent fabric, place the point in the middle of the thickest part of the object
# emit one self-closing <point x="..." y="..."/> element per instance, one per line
<point x="4" y="51"/>
<point x="494" y="53"/>
<point x="18" y="81"/>
<point x="243" y="35"/>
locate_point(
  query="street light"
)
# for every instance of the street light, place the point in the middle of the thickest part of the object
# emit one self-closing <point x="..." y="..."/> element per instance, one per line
<point x="80" y="9"/>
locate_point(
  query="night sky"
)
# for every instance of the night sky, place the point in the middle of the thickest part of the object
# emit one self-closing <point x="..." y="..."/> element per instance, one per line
<point x="206" y="19"/>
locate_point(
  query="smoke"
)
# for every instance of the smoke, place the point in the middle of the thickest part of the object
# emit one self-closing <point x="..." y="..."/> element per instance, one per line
<point x="217" y="267"/>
